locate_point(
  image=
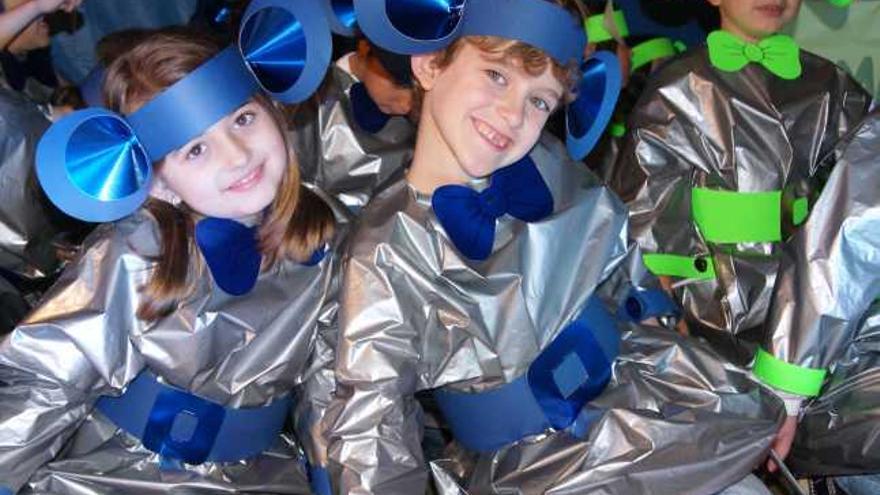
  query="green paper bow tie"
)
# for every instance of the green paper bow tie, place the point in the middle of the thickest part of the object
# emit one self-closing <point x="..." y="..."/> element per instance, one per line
<point x="779" y="54"/>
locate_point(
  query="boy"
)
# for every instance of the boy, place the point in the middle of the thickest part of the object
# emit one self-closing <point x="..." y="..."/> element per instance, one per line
<point x="357" y="137"/>
<point x="722" y="162"/>
<point x="499" y="302"/>
<point x="823" y="322"/>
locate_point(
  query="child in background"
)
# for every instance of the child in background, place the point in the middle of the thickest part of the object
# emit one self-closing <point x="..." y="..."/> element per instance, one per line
<point x="166" y="356"/>
<point x="824" y="319"/>
<point x="489" y="279"/>
<point x="24" y="34"/>
<point x="722" y="162"/>
<point x="355" y="137"/>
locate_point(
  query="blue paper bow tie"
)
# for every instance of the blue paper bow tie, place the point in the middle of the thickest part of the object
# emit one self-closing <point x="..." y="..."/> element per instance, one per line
<point x="365" y="111"/>
<point x="469" y="216"/>
<point x="231" y="252"/>
<point x="230" y="249"/>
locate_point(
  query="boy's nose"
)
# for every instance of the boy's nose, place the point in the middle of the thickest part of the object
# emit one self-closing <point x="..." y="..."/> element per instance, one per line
<point x="512" y="110"/>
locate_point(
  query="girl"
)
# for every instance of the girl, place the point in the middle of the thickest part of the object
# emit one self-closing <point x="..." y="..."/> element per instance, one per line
<point x="488" y="279"/>
<point x="165" y="357"/>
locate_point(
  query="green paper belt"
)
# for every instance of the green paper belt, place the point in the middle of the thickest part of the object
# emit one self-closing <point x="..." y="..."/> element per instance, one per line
<point x="648" y="51"/>
<point x="597" y="32"/>
<point x="788" y="377"/>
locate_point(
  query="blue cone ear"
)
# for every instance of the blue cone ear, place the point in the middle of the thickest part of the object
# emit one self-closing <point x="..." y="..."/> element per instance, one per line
<point x="340" y="15"/>
<point x="287" y="45"/>
<point x="410" y="27"/>
<point x="597" y="94"/>
<point x="92" y="167"/>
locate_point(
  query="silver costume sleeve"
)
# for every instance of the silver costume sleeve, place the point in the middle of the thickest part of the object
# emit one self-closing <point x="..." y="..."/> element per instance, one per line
<point x="830" y="273"/>
<point x="374" y="420"/>
<point x="68" y="352"/>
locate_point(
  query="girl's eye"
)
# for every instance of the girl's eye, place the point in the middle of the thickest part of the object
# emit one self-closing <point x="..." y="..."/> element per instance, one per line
<point x="541" y="104"/>
<point x="196" y="151"/>
<point x="245" y="118"/>
<point x="496" y="76"/>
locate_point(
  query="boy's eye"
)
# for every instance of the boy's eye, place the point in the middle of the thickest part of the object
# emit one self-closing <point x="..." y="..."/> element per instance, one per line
<point x="245" y="118"/>
<point x="496" y="76"/>
<point x="541" y="104"/>
<point x="196" y="151"/>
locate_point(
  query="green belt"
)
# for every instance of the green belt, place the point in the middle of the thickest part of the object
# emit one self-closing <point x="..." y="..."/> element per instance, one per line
<point x="791" y="378"/>
<point x="597" y="32"/>
<point x="727" y="217"/>
<point x="648" y="51"/>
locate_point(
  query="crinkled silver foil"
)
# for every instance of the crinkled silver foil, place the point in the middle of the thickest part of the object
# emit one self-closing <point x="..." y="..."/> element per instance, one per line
<point x="338" y="157"/>
<point x="417" y="315"/>
<point x="746" y="131"/>
<point x="825" y="312"/>
<point x="84" y="341"/>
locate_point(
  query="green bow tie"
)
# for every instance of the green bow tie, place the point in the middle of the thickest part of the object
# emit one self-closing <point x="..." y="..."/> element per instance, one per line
<point x="779" y="54"/>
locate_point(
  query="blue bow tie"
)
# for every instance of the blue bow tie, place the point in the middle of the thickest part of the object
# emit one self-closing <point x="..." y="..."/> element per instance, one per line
<point x="469" y="216"/>
<point x="231" y="252"/>
<point x="366" y="113"/>
<point x="230" y="249"/>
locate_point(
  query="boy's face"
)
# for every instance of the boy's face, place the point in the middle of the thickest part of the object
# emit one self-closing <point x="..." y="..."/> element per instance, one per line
<point x="483" y="112"/>
<point x="753" y="20"/>
<point x="390" y="97"/>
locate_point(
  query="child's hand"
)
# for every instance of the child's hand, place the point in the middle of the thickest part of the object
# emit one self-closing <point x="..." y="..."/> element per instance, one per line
<point x="782" y="442"/>
<point x="49" y="6"/>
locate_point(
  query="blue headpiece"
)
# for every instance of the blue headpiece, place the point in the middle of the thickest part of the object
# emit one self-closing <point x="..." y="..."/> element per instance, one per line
<point x="340" y="14"/>
<point x="421" y="26"/>
<point x="96" y="165"/>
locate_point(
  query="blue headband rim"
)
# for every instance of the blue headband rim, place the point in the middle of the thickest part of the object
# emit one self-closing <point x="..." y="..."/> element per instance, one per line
<point x="336" y="24"/>
<point x="579" y="146"/>
<point x="54" y="176"/>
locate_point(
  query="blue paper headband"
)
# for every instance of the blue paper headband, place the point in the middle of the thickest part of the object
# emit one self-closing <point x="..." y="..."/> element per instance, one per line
<point x="96" y="165"/>
<point x="340" y="14"/>
<point x="420" y="26"/>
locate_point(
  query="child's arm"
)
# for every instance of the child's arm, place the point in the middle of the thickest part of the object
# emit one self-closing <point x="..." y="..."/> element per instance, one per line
<point x="73" y="348"/>
<point x="374" y="423"/>
<point x="13" y="21"/>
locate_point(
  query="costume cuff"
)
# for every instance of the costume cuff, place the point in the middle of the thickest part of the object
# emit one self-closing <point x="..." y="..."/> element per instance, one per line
<point x="799" y="380"/>
<point x="674" y="265"/>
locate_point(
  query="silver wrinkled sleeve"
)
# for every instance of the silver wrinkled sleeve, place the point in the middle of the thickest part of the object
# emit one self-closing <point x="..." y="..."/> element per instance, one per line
<point x="67" y="353"/>
<point x="829" y="274"/>
<point x="826" y="314"/>
<point x="26" y="230"/>
<point x="749" y="131"/>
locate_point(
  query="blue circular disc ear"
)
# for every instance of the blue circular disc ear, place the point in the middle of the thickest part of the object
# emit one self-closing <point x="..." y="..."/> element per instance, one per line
<point x="410" y="27"/>
<point x="287" y="45"/>
<point x="92" y="167"/>
<point x="340" y="15"/>
<point x="597" y="93"/>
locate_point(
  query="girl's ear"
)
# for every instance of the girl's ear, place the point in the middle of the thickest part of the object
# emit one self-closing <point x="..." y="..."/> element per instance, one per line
<point x="425" y="70"/>
<point x="160" y="190"/>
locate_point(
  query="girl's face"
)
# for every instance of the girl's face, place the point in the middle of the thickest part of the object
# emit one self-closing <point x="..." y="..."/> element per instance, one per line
<point x="233" y="170"/>
<point x="482" y="113"/>
<point x="754" y="20"/>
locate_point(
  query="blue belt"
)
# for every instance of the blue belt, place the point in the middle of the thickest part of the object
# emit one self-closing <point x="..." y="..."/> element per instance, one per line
<point x="571" y="371"/>
<point x="180" y="425"/>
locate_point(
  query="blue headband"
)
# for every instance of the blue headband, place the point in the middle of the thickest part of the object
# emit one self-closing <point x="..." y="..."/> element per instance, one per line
<point x="340" y="14"/>
<point x="96" y="165"/>
<point x="420" y="26"/>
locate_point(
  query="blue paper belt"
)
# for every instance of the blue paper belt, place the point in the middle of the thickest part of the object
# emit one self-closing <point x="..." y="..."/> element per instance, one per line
<point x="570" y="372"/>
<point x="180" y="425"/>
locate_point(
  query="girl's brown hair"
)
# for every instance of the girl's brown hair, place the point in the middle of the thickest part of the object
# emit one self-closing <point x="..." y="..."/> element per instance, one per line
<point x="293" y="227"/>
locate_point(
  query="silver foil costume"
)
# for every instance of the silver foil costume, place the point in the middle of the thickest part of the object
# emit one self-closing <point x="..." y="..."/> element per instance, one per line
<point x="747" y="132"/>
<point x="84" y="341"/>
<point x="416" y="315"/>
<point x="825" y="313"/>
<point x="339" y="157"/>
